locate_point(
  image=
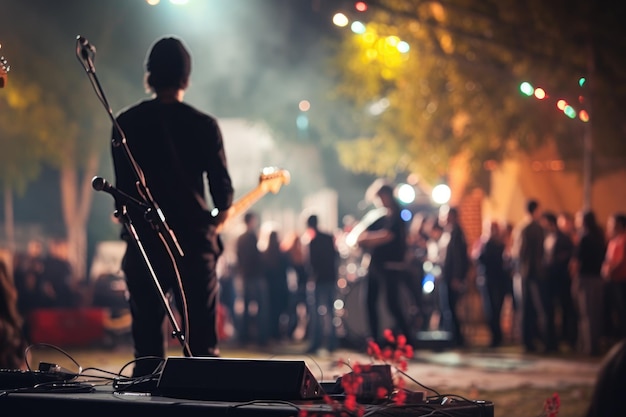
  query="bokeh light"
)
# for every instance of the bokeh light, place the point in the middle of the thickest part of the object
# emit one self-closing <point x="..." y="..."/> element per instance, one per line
<point x="304" y="105"/>
<point x="341" y="20"/>
<point x="406" y="193"/>
<point x="357" y="27"/>
<point x="441" y="194"/>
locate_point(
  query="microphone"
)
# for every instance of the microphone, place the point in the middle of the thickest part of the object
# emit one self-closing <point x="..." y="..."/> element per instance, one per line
<point x="85" y="47"/>
<point x="100" y="184"/>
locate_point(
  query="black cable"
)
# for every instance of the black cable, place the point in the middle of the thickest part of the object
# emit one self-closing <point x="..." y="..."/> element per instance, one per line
<point x="418" y="383"/>
<point x="58" y="349"/>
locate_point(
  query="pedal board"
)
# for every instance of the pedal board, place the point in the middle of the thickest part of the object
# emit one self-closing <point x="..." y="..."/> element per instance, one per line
<point x="19" y="378"/>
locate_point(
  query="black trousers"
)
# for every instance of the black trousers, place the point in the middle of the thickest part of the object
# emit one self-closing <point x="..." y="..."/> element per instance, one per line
<point x="200" y="296"/>
<point x="391" y="280"/>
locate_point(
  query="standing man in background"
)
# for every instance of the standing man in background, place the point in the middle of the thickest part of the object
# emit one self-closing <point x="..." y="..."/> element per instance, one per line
<point x="175" y="145"/>
<point x="322" y="264"/>
<point x="255" y="286"/>
<point x="386" y="242"/>
<point x="532" y="272"/>
<point x="454" y="268"/>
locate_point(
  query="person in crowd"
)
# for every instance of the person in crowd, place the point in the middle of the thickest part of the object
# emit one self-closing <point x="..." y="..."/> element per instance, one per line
<point x="322" y="263"/>
<point x="275" y="264"/>
<point x="12" y="339"/>
<point x="614" y="274"/>
<point x="57" y="277"/>
<point x="255" y="286"/>
<point x="175" y="147"/>
<point x="532" y="273"/>
<point x="566" y="222"/>
<point x="32" y="294"/>
<point x="556" y="288"/>
<point x="587" y="282"/>
<point x="494" y="283"/>
<point x="417" y="254"/>
<point x="455" y="264"/>
<point x="434" y="256"/>
<point x="298" y="309"/>
<point x="385" y="242"/>
<point x="510" y="269"/>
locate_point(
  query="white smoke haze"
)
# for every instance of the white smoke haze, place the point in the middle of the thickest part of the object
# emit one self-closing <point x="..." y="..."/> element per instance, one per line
<point x="249" y="58"/>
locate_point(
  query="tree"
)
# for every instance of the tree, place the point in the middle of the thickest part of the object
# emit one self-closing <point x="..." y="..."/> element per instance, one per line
<point x="456" y="91"/>
<point x="47" y="124"/>
<point x="23" y="141"/>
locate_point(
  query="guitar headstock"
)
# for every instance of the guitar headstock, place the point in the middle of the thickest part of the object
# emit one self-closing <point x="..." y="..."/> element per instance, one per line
<point x="272" y="178"/>
<point x="4" y="69"/>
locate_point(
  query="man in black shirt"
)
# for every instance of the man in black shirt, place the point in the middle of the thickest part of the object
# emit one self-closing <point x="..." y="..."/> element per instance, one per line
<point x="255" y="285"/>
<point x="454" y="260"/>
<point x="174" y="146"/>
<point x="386" y="243"/>
<point x="322" y="264"/>
<point x="532" y="271"/>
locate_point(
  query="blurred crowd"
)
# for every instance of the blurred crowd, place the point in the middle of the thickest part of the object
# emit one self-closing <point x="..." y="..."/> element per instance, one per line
<point x="562" y="276"/>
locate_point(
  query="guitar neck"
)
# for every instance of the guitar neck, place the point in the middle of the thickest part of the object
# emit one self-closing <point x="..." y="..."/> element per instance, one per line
<point x="242" y="205"/>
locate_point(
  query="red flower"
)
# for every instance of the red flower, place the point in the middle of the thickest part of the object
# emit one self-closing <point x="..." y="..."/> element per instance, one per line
<point x="381" y="393"/>
<point x="388" y="334"/>
<point x="551" y="405"/>
<point x="350" y="402"/>
<point x="408" y="351"/>
<point x="400" y="398"/>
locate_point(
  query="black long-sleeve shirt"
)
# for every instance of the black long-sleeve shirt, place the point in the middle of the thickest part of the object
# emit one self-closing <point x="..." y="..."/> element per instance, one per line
<point x="175" y="146"/>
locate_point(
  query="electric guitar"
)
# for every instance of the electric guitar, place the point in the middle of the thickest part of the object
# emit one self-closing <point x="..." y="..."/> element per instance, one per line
<point x="271" y="180"/>
<point x="4" y="69"/>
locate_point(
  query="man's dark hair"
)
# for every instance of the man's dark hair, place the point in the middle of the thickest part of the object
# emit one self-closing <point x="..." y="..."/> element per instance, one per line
<point x="550" y="218"/>
<point x="453" y="213"/>
<point x="312" y="221"/>
<point x="532" y="206"/>
<point x="249" y="216"/>
<point x="620" y="220"/>
<point x="168" y="64"/>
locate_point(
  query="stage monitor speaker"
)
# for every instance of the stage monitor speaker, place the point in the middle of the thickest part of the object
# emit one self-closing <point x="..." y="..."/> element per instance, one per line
<point x="238" y="379"/>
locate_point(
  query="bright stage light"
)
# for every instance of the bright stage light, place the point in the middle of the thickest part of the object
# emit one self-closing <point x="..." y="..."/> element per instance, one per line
<point x="441" y="194"/>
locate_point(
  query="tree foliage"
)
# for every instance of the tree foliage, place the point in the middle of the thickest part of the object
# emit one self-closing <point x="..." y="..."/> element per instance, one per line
<point x="456" y="91"/>
<point x="45" y="120"/>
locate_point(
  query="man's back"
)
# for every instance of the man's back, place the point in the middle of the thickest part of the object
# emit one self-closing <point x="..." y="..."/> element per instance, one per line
<point x="248" y="255"/>
<point x="531" y="250"/>
<point x="323" y="257"/>
<point x="174" y="144"/>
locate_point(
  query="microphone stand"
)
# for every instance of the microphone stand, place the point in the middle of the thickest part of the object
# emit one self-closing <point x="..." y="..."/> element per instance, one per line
<point x="85" y="53"/>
